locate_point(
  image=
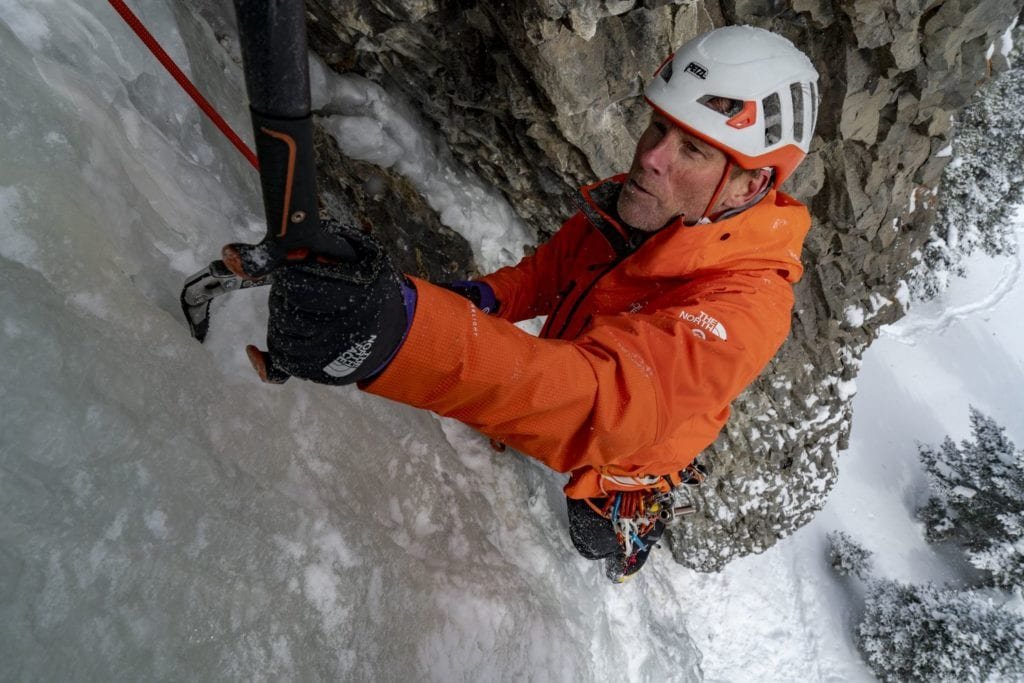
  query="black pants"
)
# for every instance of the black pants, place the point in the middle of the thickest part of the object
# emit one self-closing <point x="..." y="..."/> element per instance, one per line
<point x="594" y="536"/>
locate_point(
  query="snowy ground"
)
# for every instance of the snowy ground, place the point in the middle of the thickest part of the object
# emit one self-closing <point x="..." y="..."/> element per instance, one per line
<point x="164" y="515"/>
<point x="784" y="615"/>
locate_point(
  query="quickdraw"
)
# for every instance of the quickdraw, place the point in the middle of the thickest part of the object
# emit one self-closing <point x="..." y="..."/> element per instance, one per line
<point x="635" y="519"/>
<point x="635" y="514"/>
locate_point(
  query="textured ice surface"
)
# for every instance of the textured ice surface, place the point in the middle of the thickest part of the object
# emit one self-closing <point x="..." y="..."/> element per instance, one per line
<point x="165" y="515"/>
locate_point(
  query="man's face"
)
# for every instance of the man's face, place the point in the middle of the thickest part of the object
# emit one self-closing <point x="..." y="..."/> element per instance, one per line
<point x="673" y="174"/>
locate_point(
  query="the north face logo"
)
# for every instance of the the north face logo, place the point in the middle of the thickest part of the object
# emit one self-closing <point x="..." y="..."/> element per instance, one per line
<point x="345" y="364"/>
<point x="704" y="323"/>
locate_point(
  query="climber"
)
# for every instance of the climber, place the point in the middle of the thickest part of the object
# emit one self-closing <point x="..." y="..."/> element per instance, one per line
<point x="666" y="294"/>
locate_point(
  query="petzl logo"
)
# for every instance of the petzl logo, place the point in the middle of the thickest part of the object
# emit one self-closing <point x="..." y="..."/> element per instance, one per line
<point x="345" y="364"/>
<point x="698" y="70"/>
<point x="704" y="323"/>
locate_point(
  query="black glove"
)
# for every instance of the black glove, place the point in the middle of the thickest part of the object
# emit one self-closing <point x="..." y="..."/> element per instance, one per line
<point x="335" y="323"/>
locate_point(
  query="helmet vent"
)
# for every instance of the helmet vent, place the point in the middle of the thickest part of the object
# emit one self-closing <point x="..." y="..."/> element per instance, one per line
<point x="796" y="91"/>
<point x="723" y="105"/>
<point x="772" y="119"/>
<point x="814" y="107"/>
<point x="666" y="71"/>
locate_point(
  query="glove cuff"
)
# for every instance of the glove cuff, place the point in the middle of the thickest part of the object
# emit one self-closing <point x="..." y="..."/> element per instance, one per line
<point x="409" y="302"/>
<point x="480" y="293"/>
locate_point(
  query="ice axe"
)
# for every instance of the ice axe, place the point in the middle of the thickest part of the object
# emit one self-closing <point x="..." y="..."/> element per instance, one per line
<point x="272" y="34"/>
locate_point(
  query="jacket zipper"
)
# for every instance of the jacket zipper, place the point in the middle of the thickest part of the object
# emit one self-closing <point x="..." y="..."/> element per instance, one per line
<point x="624" y="246"/>
<point x="563" y="296"/>
<point x="583" y="295"/>
<point x="631" y="246"/>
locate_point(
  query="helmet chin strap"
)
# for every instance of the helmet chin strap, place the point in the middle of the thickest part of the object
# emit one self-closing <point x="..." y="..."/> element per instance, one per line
<point x="718" y="191"/>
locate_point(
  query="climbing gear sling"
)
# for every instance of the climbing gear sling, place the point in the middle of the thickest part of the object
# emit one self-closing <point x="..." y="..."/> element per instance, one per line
<point x="623" y="528"/>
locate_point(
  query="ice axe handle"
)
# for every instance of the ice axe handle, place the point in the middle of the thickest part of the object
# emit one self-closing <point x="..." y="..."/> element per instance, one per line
<point x="288" y="180"/>
<point x="272" y="37"/>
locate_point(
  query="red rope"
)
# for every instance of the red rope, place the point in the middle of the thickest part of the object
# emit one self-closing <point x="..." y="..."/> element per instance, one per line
<point x="183" y="80"/>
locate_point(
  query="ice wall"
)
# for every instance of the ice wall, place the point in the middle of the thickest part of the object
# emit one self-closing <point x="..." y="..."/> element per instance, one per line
<point x="163" y="515"/>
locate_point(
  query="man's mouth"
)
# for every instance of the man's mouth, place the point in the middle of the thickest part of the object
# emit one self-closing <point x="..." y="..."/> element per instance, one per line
<point x="637" y="187"/>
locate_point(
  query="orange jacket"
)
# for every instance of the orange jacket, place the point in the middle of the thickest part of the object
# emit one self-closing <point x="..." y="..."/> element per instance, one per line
<point x="645" y="346"/>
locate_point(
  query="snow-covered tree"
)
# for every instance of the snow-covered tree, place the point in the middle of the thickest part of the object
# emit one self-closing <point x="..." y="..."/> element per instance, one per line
<point x="978" y="499"/>
<point x="847" y="556"/>
<point x="924" y="633"/>
<point x="982" y="186"/>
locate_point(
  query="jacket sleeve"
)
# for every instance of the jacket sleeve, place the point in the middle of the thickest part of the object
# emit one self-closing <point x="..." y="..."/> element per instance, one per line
<point x="532" y="287"/>
<point x="621" y="386"/>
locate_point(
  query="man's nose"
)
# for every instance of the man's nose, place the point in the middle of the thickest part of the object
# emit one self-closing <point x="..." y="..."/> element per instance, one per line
<point x="657" y="158"/>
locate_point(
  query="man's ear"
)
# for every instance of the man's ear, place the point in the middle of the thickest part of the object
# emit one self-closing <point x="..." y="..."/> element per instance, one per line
<point x="745" y="187"/>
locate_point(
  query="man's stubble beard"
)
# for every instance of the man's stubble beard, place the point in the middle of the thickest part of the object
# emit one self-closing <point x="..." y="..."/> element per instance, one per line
<point x="632" y="211"/>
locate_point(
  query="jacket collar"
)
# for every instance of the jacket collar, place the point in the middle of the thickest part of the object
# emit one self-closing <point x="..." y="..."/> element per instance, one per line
<point x="598" y="203"/>
<point x="766" y="236"/>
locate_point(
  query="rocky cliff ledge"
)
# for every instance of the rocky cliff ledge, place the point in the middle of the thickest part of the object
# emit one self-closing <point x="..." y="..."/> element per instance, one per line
<point x="540" y="96"/>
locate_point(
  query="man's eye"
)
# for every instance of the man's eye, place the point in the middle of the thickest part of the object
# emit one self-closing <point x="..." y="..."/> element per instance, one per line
<point x="690" y="147"/>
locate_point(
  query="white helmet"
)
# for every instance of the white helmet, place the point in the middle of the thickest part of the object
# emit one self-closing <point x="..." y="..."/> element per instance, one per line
<point x="747" y="91"/>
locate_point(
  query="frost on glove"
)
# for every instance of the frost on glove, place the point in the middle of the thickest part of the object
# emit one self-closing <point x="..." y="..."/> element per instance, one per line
<point x="336" y="323"/>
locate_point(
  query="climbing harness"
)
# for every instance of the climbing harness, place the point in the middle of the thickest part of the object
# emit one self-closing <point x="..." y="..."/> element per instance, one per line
<point x="634" y="514"/>
<point x="638" y="519"/>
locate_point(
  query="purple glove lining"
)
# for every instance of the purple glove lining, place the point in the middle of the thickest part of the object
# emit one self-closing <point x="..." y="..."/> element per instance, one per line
<point x="409" y="298"/>
<point x="488" y="302"/>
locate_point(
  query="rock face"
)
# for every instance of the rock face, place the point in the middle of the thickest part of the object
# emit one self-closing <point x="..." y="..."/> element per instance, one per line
<point x="537" y="97"/>
<point x="540" y="96"/>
